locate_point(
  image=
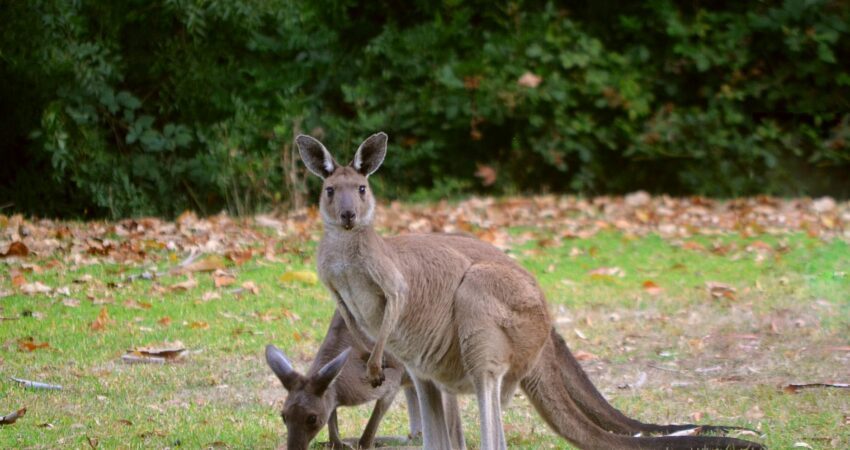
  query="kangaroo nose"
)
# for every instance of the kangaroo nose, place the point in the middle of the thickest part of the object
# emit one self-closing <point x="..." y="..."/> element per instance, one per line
<point x="348" y="216"/>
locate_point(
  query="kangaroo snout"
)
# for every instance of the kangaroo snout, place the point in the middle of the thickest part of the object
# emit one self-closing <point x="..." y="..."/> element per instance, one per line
<point x="348" y="219"/>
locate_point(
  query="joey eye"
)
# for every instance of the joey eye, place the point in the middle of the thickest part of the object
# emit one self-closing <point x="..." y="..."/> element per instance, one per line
<point x="362" y="190"/>
<point x="330" y="191"/>
<point x="312" y="419"/>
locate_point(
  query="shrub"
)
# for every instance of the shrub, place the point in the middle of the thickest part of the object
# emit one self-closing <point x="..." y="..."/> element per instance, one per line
<point x="129" y="108"/>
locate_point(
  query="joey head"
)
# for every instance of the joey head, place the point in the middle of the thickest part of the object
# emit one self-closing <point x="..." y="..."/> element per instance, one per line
<point x="308" y="407"/>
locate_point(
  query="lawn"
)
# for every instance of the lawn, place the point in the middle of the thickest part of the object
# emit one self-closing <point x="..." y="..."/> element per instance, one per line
<point x="677" y="317"/>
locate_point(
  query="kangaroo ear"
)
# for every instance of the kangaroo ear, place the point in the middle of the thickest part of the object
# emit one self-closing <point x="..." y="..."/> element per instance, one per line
<point x="315" y="156"/>
<point x="329" y="372"/>
<point x="371" y="154"/>
<point x="281" y="367"/>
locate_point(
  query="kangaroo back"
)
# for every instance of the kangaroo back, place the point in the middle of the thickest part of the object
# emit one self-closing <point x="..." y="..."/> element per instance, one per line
<point x="546" y="386"/>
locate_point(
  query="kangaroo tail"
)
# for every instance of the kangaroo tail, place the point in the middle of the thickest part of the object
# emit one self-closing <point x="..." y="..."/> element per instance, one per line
<point x="591" y="402"/>
<point x="548" y="390"/>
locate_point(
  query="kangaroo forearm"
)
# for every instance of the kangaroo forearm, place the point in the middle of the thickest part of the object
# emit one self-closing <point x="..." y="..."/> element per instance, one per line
<point x="361" y="341"/>
<point x="388" y="324"/>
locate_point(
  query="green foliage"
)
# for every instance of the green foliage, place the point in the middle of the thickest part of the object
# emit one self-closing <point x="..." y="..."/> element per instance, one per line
<point x="128" y="108"/>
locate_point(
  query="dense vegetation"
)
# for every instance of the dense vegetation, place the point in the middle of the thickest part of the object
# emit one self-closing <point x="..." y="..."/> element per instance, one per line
<point x="153" y="107"/>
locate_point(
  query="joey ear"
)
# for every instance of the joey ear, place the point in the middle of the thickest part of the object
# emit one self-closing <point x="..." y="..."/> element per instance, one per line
<point x="329" y="372"/>
<point x="370" y="154"/>
<point x="281" y="367"/>
<point x="315" y="156"/>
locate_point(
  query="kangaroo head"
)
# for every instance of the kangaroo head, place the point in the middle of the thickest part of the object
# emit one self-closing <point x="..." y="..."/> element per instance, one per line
<point x="309" y="403"/>
<point x="347" y="200"/>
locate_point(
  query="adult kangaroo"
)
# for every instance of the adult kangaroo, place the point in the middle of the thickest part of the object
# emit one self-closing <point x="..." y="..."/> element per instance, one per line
<point x="459" y="313"/>
<point x="337" y="377"/>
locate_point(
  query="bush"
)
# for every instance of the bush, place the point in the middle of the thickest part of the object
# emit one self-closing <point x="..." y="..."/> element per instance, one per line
<point x="129" y="108"/>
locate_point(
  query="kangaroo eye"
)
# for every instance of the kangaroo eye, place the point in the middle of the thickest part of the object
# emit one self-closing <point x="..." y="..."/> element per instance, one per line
<point x="362" y="190"/>
<point x="312" y="419"/>
<point x="330" y="191"/>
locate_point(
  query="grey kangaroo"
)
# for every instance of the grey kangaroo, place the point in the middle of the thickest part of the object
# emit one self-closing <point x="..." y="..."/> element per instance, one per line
<point x="337" y="377"/>
<point x="460" y="314"/>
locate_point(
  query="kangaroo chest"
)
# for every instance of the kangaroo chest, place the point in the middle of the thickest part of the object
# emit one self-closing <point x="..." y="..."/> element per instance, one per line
<point x="358" y="291"/>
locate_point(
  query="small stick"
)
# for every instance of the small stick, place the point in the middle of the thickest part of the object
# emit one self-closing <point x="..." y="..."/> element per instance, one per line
<point x="37" y="384"/>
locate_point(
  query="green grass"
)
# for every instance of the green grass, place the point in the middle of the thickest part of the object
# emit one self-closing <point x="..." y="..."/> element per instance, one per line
<point x="723" y="359"/>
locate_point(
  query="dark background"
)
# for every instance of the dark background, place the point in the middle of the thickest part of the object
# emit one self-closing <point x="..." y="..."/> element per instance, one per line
<point x="154" y="107"/>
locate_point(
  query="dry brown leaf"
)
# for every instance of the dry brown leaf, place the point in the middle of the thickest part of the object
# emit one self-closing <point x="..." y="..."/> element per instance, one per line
<point x="222" y="278"/>
<point x="183" y="285"/>
<point x="693" y="245"/>
<point x="18" y="279"/>
<point x="251" y="287"/>
<point x="134" y="304"/>
<point x="239" y="257"/>
<point x="12" y="417"/>
<point x="651" y="288"/>
<point x="35" y="288"/>
<point x="102" y="321"/>
<point x="28" y="344"/>
<point x="198" y="325"/>
<point x="720" y="290"/>
<point x="603" y="272"/>
<point x="165" y="321"/>
<point x="209" y="263"/>
<point x="795" y="387"/>
<point x="16" y="248"/>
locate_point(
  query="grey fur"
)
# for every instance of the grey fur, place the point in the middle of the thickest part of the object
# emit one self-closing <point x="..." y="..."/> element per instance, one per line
<point x="462" y="316"/>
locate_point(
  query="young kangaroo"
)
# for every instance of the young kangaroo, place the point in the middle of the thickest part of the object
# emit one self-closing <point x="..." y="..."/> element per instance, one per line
<point x="459" y="313"/>
<point x="337" y="378"/>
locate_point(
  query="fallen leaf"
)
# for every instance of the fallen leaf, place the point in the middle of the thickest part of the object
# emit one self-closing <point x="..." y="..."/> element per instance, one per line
<point x="35" y="288"/>
<point x="529" y="80"/>
<point x="693" y="246"/>
<point x="165" y="321"/>
<point x="603" y="272"/>
<point x="802" y="445"/>
<point x="239" y="257"/>
<point x="133" y="304"/>
<point x="183" y="285"/>
<point x="16" y="248"/>
<point x="720" y="290"/>
<point x="794" y="387"/>
<point x="304" y="276"/>
<point x="18" y="280"/>
<point x="651" y="288"/>
<point x="157" y="354"/>
<point x="207" y="264"/>
<point x="29" y="345"/>
<point x="222" y="278"/>
<point x="12" y="417"/>
<point x="198" y="325"/>
<point x="101" y="321"/>
<point x="71" y="302"/>
<point x="251" y="287"/>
